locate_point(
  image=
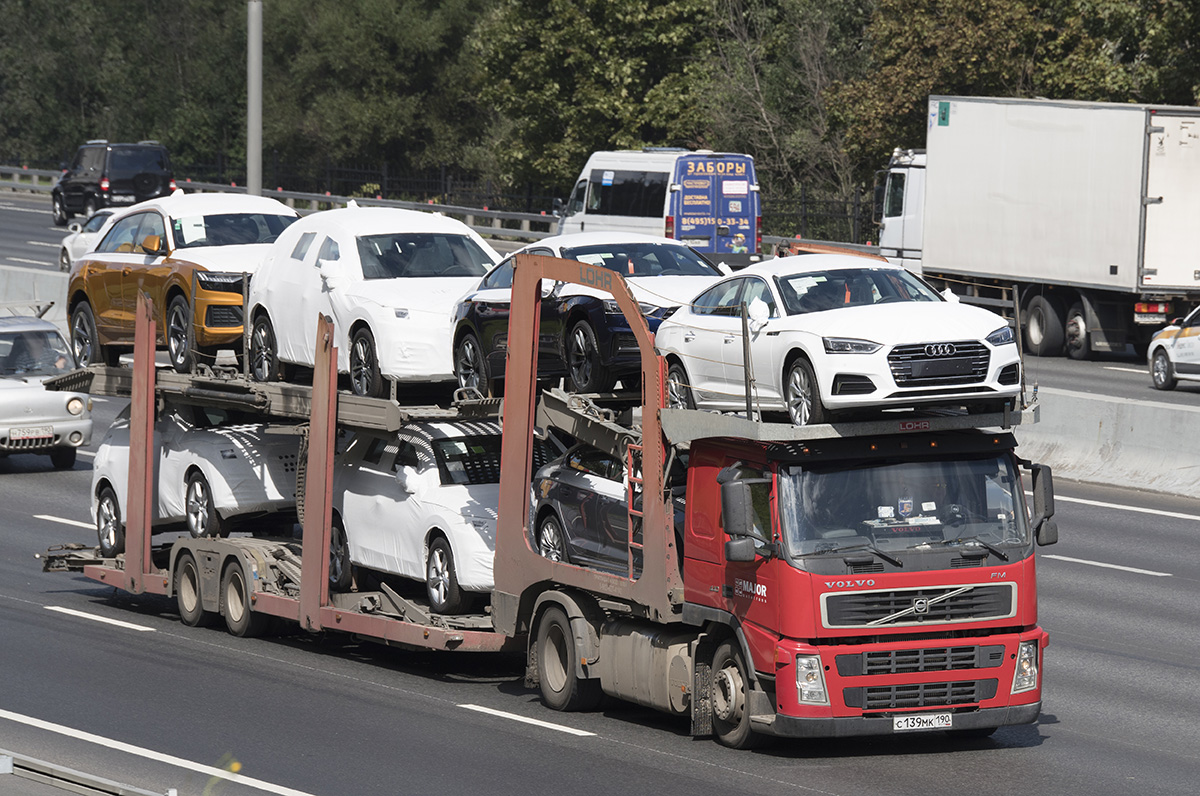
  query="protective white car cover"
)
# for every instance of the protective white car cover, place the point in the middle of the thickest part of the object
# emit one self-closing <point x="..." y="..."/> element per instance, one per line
<point x="248" y="470"/>
<point x="709" y="345"/>
<point x="315" y="268"/>
<point x="392" y="497"/>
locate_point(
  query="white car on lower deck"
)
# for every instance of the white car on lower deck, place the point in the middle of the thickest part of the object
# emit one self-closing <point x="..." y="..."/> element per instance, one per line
<point x="215" y="472"/>
<point x="833" y="332"/>
<point x="388" y="278"/>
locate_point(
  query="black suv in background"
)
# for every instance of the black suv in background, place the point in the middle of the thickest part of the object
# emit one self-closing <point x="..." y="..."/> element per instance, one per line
<point x="111" y="175"/>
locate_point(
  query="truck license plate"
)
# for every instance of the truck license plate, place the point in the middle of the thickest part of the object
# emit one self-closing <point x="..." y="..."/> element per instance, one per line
<point x="924" y="721"/>
<point x="32" y="432"/>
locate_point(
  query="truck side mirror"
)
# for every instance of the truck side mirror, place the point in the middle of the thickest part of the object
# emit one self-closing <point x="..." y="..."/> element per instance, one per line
<point x="739" y="549"/>
<point x="736" y="509"/>
<point x="1045" y="528"/>
<point x="557" y="207"/>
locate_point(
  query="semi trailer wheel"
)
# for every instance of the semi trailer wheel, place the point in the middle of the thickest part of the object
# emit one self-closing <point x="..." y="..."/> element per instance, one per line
<point x="562" y="689"/>
<point x="1079" y="343"/>
<point x="240" y="620"/>
<point x="187" y="593"/>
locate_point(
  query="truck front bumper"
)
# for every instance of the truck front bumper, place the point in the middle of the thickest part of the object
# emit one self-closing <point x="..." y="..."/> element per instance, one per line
<point x="843" y="727"/>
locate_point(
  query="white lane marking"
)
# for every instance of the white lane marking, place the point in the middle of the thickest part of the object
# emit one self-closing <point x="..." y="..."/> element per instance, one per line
<point x="25" y="210"/>
<point x="1134" y="570"/>
<point x="43" y="243"/>
<point x="150" y="754"/>
<point x="96" y="618"/>
<point x="1101" y="504"/>
<point x="527" y="720"/>
<point x="28" y="262"/>
<point x="63" y="520"/>
<point x="1125" y="370"/>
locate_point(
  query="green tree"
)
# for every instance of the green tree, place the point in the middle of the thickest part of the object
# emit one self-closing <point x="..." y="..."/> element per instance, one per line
<point x="568" y="77"/>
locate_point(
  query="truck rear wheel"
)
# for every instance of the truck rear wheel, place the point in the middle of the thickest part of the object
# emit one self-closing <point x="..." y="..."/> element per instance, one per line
<point x="731" y="698"/>
<point x="187" y="593"/>
<point x="1079" y="343"/>
<point x="240" y="620"/>
<point x="1044" y="328"/>
<point x="562" y="688"/>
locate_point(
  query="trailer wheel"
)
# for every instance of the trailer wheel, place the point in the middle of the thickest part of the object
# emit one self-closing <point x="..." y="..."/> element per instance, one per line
<point x="235" y="602"/>
<point x="202" y="517"/>
<point x="441" y="581"/>
<point x="731" y="698"/>
<point x="109" y="529"/>
<point x="1079" y="343"/>
<point x="561" y="687"/>
<point x="1044" y="326"/>
<point x="187" y="593"/>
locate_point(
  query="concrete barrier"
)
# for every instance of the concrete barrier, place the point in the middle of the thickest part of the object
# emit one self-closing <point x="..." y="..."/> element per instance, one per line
<point x="1123" y="442"/>
<point x="36" y="285"/>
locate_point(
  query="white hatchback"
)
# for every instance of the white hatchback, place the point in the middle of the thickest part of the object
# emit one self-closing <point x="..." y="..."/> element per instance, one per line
<point x="388" y="278"/>
<point x="214" y="472"/>
<point x="831" y="332"/>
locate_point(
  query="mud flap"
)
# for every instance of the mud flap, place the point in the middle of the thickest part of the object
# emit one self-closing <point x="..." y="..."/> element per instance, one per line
<point x="702" y="653"/>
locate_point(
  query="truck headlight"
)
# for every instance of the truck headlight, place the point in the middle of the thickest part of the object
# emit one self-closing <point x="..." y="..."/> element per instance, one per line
<point x="849" y="345"/>
<point x="1025" y="678"/>
<point x="1001" y="336"/>
<point x="810" y="680"/>
<point x="75" y="406"/>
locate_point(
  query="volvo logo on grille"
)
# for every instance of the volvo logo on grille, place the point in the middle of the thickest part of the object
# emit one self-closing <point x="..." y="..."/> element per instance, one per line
<point x="940" y="350"/>
<point x="920" y="606"/>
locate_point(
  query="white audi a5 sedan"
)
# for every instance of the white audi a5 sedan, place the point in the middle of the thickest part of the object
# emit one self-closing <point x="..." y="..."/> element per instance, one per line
<point x="215" y="472"/>
<point x="388" y="278"/>
<point x="833" y="332"/>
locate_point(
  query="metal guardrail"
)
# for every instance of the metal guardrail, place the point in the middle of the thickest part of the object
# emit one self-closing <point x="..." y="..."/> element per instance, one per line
<point x="66" y="779"/>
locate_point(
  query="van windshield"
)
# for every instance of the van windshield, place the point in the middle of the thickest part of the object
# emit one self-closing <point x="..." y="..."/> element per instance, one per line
<point x="627" y="193"/>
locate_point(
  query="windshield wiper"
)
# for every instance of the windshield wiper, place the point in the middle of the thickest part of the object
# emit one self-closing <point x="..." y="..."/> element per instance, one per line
<point x="965" y="540"/>
<point x="849" y="548"/>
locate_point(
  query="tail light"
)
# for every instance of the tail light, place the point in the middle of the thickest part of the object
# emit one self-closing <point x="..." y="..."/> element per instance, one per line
<point x="670" y="227"/>
<point x="758" y="234"/>
<point x="1163" y="307"/>
<point x="171" y="186"/>
<point x="104" y="184"/>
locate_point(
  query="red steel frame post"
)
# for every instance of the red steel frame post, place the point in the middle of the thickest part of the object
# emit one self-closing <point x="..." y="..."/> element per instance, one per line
<point x="139" y="517"/>
<point x="318" y="486"/>
<point x="518" y="567"/>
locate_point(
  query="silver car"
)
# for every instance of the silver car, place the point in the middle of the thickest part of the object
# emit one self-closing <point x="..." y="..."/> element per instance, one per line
<point x="33" y="419"/>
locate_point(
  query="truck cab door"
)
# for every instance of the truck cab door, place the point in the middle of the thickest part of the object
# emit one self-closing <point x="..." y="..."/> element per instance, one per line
<point x="900" y="231"/>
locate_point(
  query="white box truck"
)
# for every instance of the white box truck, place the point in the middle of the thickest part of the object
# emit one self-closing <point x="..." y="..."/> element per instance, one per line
<point x="1090" y="209"/>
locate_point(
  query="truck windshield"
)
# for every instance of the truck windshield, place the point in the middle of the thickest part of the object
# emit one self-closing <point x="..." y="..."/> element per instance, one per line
<point x="901" y="507"/>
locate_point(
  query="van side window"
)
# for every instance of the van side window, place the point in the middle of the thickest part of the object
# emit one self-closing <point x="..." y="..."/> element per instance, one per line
<point x="575" y="203"/>
<point x="627" y="193"/>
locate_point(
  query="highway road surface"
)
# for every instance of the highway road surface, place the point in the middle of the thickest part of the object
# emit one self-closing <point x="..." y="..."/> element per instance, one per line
<point x="113" y="684"/>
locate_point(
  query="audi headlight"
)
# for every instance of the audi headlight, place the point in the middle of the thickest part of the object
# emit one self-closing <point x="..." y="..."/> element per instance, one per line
<point x="849" y="345"/>
<point x="810" y="680"/>
<point x="220" y="281"/>
<point x="75" y="406"/>
<point x="1025" y="678"/>
<point x="613" y="308"/>
<point x="1002" y="336"/>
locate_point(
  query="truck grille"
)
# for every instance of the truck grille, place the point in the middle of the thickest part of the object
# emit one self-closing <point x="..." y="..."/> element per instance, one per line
<point x="906" y="607"/>
<point x="934" y="659"/>
<point x="21" y="445"/>
<point x="932" y="364"/>
<point x="919" y="695"/>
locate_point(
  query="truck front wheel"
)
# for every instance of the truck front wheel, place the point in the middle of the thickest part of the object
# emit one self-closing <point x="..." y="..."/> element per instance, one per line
<point x="562" y="688"/>
<point x="731" y="698"/>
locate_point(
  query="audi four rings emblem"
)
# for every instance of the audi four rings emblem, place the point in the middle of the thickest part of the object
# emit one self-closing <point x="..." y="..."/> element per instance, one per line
<point x="940" y="350"/>
<point x="920" y="606"/>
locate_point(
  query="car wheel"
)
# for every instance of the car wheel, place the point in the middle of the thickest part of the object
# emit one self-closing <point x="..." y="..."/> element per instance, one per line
<point x="202" y="517"/>
<point x="264" y="351"/>
<point x="187" y="593"/>
<point x="85" y="342"/>
<point x="561" y="686"/>
<point x="441" y="581"/>
<point x="731" y="698"/>
<point x="59" y="211"/>
<point x="109" y="529"/>
<point x="1044" y="326"/>
<point x="340" y="573"/>
<point x="1161" y="371"/>
<point x="1079" y="344"/>
<point x="584" y="371"/>
<point x="802" y="395"/>
<point x="64" y="260"/>
<point x="364" y="365"/>
<point x="179" y="347"/>
<point x="240" y="620"/>
<point x="551" y="542"/>
<point x="679" y="391"/>
<point x="89" y="209"/>
<point x="63" y="458"/>
<point x="469" y="366"/>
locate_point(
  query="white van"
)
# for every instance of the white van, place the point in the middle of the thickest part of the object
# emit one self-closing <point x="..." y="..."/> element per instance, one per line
<point x="708" y="200"/>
